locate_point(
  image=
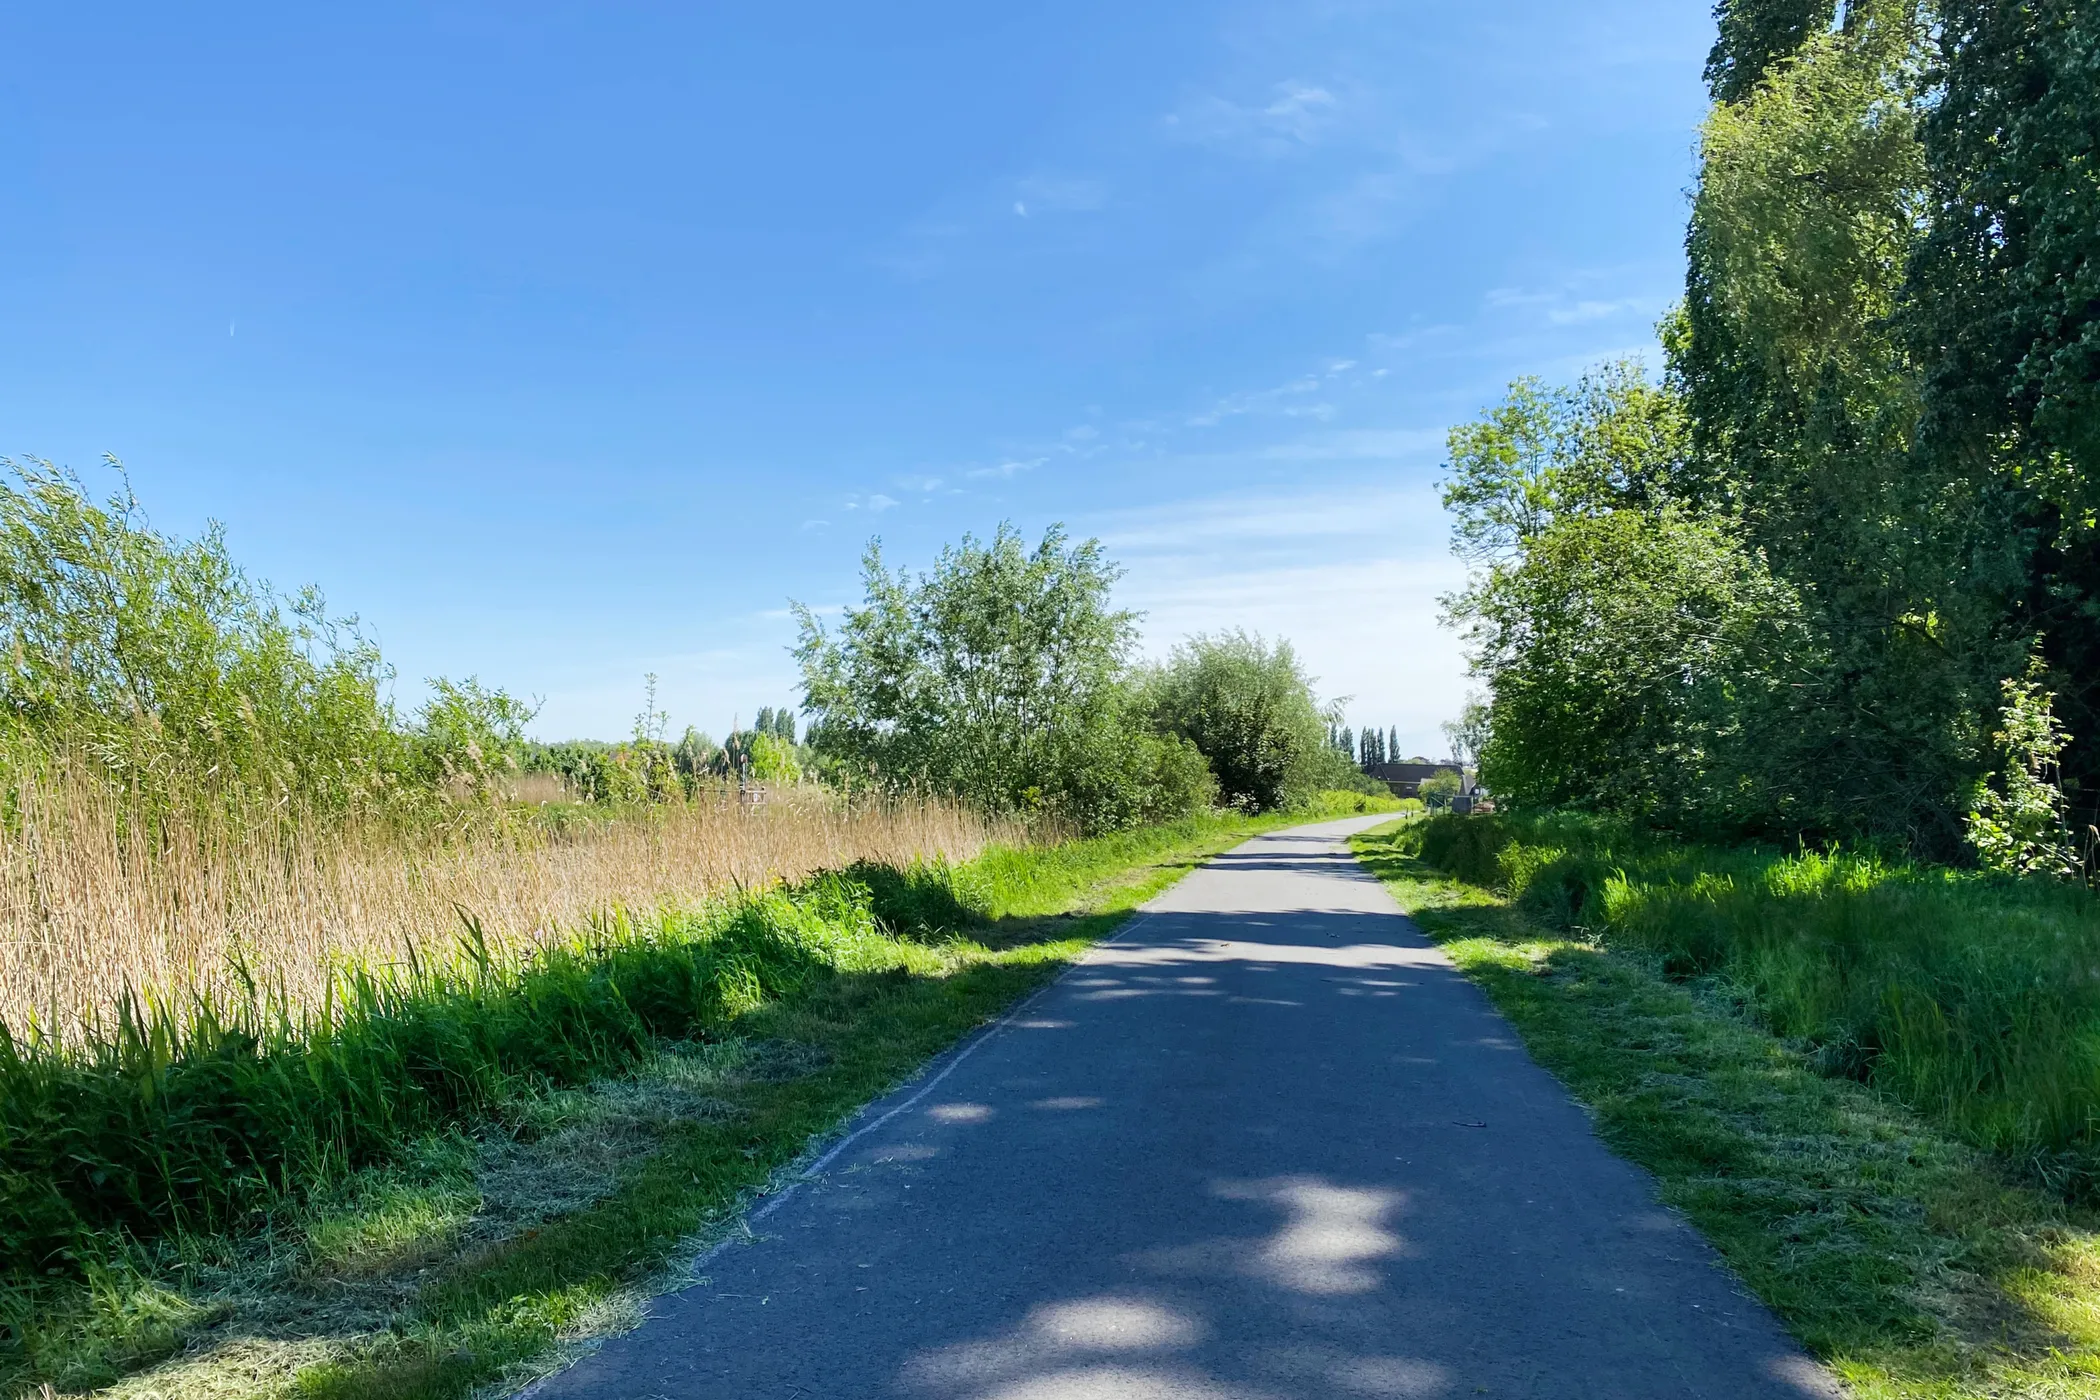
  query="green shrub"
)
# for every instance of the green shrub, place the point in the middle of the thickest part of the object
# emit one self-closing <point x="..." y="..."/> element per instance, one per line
<point x="1248" y="707"/>
<point x="920" y="900"/>
<point x="998" y="677"/>
<point x="1469" y="847"/>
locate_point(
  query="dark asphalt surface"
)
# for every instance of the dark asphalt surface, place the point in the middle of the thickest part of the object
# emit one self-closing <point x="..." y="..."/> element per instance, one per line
<point x="1267" y="1143"/>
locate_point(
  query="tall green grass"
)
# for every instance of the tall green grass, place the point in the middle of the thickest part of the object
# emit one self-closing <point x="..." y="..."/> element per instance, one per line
<point x="191" y="1116"/>
<point x="194" y="1115"/>
<point x="1973" y="998"/>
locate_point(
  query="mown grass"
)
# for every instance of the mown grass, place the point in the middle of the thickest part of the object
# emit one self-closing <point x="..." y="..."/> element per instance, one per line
<point x="1911" y="1261"/>
<point x="530" y="1218"/>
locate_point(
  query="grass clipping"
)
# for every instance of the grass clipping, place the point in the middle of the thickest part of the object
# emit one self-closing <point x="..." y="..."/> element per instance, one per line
<point x="1914" y="1265"/>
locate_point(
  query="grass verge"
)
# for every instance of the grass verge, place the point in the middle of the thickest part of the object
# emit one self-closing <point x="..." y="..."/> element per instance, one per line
<point x="477" y="1255"/>
<point x="1912" y="1263"/>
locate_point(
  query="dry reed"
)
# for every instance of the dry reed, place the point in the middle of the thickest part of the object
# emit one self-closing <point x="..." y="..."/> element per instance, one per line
<point x="91" y="908"/>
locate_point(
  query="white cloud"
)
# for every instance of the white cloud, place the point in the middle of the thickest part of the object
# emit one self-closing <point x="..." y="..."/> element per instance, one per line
<point x="1294" y="116"/>
<point x="1366" y="629"/>
<point x="880" y="503"/>
<point x="1237" y="524"/>
<point x="1010" y="468"/>
<point x="1583" y="312"/>
<point x="1059" y="194"/>
<point x="1276" y="400"/>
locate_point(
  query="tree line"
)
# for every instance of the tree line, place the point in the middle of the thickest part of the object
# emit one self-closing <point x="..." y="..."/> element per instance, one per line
<point x="1835" y="575"/>
<point x="1006" y="675"/>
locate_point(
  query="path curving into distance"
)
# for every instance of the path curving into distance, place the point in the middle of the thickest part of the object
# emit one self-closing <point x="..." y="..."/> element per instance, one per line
<point x="1265" y="1144"/>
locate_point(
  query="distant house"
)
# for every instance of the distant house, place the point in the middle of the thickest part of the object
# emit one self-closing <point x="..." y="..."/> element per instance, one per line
<point x="1405" y="778"/>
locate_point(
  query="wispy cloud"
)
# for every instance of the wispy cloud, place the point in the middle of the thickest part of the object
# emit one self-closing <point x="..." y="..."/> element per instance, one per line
<point x="1292" y="116"/>
<point x="1590" y="295"/>
<point x="1011" y="467"/>
<point x="1060" y="194"/>
<point x="1351" y="577"/>
<point x="1285" y="523"/>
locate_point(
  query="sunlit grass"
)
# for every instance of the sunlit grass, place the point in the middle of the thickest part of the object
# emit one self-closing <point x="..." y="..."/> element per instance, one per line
<point x="488" y="1248"/>
<point x="1913" y="1263"/>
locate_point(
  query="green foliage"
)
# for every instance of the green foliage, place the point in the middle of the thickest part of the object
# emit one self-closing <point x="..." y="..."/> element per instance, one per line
<point x="1815" y="553"/>
<point x="2017" y="827"/>
<point x="998" y="677"/>
<point x="469" y="735"/>
<point x="772" y="759"/>
<point x="925" y="899"/>
<point x="1754" y="36"/>
<point x="1438" y="789"/>
<point x="1543" y="456"/>
<point x="169" y="669"/>
<point x="1247" y="707"/>
<point x="2003" y="311"/>
<point x="1618" y="632"/>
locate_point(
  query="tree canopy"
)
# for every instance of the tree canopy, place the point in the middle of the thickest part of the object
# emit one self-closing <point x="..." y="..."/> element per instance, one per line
<point x="1795" y="585"/>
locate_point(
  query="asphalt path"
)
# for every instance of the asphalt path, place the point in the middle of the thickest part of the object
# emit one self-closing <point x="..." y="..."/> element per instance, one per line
<point x="1264" y="1143"/>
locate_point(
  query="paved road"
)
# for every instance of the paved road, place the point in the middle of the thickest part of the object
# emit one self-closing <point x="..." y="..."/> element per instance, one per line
<point x="1266" y="1145"/>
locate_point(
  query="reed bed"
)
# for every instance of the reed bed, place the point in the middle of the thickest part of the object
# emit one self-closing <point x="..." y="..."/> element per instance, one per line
<point x="99" y="902"/>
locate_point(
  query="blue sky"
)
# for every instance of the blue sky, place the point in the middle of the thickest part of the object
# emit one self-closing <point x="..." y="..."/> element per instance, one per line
<point x="567" y="343"/>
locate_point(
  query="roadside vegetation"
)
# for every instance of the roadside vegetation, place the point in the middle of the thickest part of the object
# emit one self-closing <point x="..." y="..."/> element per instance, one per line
<point x="1791" y="709"/>
<point x="512" y="1159"/>
<point x="1831" y="576"/>
<point x="353" y="1051"/>
<point x="1756" y="1028"/>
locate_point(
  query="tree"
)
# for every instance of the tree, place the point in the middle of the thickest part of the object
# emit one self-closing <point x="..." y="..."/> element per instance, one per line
<point x="468" y="734"/>
<point x="1438" y="789"/>
<point x="1756" y="34"/>
<point x="1469" y="733"/>
<point x="1617" y="653"/>
<point x="1611" y="441"/>
<point x="161" y="666"/>
<point x="1804" y="393"/>
<point x="999" y="677"/>
<point x="1248" y="707"/>
<point x="2003" y="313"/>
